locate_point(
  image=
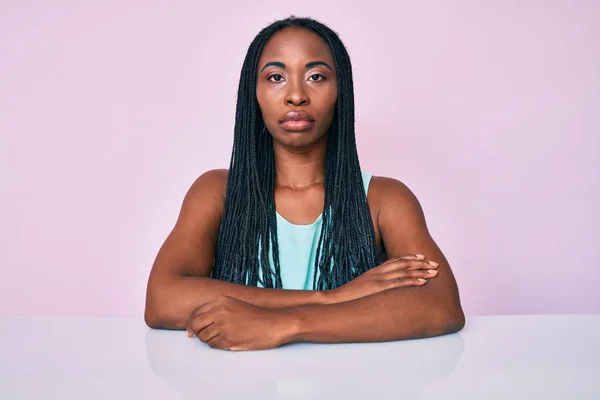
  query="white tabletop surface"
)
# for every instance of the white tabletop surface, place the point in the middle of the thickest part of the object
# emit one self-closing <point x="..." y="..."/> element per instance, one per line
<point x="504" y="357"/>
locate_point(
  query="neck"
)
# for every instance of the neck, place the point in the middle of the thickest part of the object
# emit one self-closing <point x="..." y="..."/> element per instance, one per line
<point x="300" y="168"/>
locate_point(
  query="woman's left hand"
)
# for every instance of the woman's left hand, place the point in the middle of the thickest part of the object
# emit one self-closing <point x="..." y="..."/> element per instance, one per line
<point x="231" y="324"/>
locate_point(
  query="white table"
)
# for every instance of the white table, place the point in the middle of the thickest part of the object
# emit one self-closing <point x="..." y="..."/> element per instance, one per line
<point x="507" y="357"/>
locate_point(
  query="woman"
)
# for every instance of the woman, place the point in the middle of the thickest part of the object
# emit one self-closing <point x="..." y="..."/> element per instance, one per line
<point x="287" y="245"/>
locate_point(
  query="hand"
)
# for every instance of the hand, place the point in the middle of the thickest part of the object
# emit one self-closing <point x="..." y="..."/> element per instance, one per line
<point x="231" y="324"/>
<point x="402" y="271"/>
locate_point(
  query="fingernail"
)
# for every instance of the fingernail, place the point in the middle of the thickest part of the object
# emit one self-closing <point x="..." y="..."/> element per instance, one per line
<point x="432" y="271"/>
<point x="433" y="264"/>
<point x="420" y="256"/>
<point x="421" y="280"/>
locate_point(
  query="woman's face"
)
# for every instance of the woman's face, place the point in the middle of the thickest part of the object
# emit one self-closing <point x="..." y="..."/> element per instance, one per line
<point x="297" y="87"/>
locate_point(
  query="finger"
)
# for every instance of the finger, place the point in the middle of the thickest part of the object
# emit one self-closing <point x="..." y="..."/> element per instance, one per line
<point x="411" y="273"/>
<point x="404" y="257"/>
<point x="200" y="322"/>
<point x="200" y="310"/>
<point x="392" y="263"/>
<point x="208" y="333"/>
<point x="417" y="264"/>
<point x="407" y="264"/>
<point x="403" y="282"/>
<point x="413" y="257"/>
<point x="217" y="342"/>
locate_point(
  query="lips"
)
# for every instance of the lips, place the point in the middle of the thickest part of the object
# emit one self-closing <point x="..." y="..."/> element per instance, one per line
<point x="297" y="121"/>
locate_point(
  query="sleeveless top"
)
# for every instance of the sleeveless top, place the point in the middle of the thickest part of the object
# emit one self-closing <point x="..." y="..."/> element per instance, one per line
<point x="298" y="248"/>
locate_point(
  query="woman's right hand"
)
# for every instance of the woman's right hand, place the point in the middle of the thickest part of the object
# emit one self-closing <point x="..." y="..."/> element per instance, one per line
<point x="397" y="272"/>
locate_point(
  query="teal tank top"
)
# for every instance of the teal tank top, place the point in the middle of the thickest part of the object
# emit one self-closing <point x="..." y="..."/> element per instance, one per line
<point x="298" y="248"/>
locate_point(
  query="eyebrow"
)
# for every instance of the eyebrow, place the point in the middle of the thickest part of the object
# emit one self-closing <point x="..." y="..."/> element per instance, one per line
<point x="309" y="65"/>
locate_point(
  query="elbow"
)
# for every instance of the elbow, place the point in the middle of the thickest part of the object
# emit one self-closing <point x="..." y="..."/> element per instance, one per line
<point x="152" y="317"/>
<point x="440" y="320"/>
<point x="160" y="318"/>
<point x="449" y="320"/>
<point x="456" y="321"/>
<point x="157" y="314"/>
<point x="151" y="311"/>
<point x="162" y="310"/>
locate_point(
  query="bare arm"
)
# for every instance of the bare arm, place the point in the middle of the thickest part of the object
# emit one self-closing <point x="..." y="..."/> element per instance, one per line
<point x="413" y="312"/>
<point x="180" y="279"/>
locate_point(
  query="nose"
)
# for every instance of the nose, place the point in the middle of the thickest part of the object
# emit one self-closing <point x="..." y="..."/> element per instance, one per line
<point x="296" y="95"/>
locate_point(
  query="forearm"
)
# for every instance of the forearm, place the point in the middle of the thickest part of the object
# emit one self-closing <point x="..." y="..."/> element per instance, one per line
<point x="170" y="302"/>
<point x="396" y="314"/>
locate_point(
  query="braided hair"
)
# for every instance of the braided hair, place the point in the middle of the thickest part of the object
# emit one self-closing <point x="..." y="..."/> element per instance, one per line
<point x="248" y="229"/>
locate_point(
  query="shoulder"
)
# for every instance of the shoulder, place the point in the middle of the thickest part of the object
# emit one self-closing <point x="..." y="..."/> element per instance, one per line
<point x="386" y="189"/>
<point x="394" y="200"/>
<point x="208" y="190"/>
<point x="213" y="181"/>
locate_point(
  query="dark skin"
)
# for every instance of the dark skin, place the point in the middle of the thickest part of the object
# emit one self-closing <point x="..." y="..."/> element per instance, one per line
<point x="412" y="295"/>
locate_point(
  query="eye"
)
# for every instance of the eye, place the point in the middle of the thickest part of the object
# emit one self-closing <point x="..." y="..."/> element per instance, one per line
<point x="275" y="78"/>
<point x="317" y="77"/>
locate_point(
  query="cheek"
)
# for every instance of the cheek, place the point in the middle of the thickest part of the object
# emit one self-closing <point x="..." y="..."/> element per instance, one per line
<point x="261" y="96"/>
<point x="330" y="102"/>
<point x="261" y="100"/>
<point x="266" y="103"/>
<point x="332" y="94"/>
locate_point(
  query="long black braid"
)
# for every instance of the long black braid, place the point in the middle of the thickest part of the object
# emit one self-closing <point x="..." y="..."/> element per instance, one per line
<point x="248" y="228"/>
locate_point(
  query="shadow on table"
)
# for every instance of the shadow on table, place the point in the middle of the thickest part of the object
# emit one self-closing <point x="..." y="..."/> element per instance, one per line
<point x="303" y="371"/>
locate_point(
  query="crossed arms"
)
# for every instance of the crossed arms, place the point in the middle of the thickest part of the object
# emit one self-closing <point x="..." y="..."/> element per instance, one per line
<point x="398" y="300"/>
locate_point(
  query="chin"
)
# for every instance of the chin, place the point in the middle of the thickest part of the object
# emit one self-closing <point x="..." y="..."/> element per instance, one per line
<point x="298" y="140"/>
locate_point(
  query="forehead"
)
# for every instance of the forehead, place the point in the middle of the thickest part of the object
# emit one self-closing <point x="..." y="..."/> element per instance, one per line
<point x="296" y="44"/>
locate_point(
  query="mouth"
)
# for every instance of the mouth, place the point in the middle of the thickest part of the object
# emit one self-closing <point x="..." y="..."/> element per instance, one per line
<point x="295" y="121"/>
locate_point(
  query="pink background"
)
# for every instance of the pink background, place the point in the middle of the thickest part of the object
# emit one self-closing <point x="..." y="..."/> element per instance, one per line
<point x="488" y="110"/>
